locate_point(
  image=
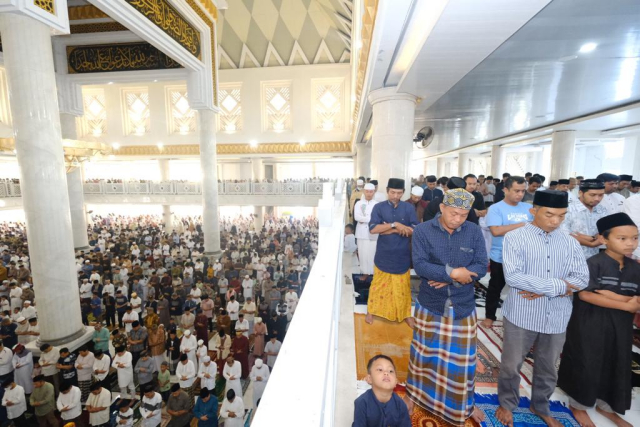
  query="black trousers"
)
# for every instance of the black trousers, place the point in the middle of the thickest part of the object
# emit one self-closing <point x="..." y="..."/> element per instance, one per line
<point x="120" y="316"/>
<point x="110" y="316"/>
<point x="496" y="284"/>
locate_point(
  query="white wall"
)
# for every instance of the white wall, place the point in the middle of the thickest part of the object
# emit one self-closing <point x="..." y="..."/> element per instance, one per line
<point x="303" y="101"/>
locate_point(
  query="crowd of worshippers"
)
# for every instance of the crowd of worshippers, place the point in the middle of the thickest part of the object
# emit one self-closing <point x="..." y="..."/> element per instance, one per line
<point x="159" y="310"/>
<point x="569" y="256"/>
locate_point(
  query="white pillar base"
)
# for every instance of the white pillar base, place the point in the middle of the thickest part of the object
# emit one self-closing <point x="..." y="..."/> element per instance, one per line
<point x="72" y="343"/>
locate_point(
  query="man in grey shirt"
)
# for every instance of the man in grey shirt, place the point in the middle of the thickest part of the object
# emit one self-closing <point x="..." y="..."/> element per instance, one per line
<point x="145" y="368"/>
<point x="179" y="407"/>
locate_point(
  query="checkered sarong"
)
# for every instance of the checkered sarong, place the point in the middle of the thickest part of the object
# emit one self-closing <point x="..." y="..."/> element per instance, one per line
<point x="442" y="364"/>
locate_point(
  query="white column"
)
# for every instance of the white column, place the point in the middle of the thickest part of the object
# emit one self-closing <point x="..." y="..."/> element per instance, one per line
<point x="363" y="160"/>
<point x="28" y="61"/>
<point x="257" y="169"/>
<point x="258" y="216"/>
<point x="165" y="176"/>
<point x="392" y="139"/>
<point x="464" y="164"/>
<point x="75" y="180"/>
<point x="442" y="162"/>
<point x="208" y="165"/>
<point x="498" y="158"/>
<point x="563" y="145"/>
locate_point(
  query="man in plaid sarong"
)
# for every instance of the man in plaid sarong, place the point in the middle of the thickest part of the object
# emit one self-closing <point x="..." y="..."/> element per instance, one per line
<point x="449" y="254"/>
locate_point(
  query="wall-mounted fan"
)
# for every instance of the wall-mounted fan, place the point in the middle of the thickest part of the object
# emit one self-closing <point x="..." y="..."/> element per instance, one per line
<point x="424" y="137"/>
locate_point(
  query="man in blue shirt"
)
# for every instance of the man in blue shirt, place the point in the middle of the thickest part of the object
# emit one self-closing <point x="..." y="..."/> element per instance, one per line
<point x="206" y="409"/>
<point x="393" y="220"/>
<point x="504" y="216"/>
<point x="449" y="255"/>
<point x="431" y="191"/>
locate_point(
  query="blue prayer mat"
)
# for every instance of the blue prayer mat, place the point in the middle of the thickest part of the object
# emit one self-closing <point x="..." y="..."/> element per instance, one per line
<point x="522" y="416"/>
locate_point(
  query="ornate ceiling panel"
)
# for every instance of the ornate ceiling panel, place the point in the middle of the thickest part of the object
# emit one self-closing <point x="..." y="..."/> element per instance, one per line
<point x="299" y="31"/>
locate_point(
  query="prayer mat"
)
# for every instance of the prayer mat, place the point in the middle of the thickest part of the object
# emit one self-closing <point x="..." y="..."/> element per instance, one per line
<point x="423" y="418"/>
<point x="522" y="416"/>
<point x="382" y="337"/>
<point x="487" y="367"/>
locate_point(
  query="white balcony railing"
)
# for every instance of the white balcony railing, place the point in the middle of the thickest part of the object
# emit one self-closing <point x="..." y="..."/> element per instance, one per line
<point x="308" y="359"/>
<point x="296" y="188"/>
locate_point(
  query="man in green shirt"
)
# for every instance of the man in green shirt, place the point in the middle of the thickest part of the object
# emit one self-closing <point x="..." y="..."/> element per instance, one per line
<point x="42" y="399"/>
<point x="101" y="339"/>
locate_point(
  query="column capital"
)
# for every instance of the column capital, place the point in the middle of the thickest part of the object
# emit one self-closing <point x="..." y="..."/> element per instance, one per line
<point x="52" y="13"/>
<point x="390" y="94"/>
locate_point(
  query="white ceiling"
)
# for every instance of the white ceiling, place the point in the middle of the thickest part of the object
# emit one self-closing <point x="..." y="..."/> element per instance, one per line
<point x="539" y="77"/>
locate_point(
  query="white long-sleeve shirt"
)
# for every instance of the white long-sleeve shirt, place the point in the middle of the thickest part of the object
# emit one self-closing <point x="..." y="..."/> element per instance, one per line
<point x="102" y="400"/>
<point x="101" y="365"/>
<point x="237" y="407"/>
<point x="6" y="361"/>
<point x="125" y="374"/>
<point x="187" y="370"/>
<point x="234" y="370"/>
<point x="84" y="366"/>
<point x="208" y="383"/>
<point x="70" y="400"/>
<point x="362" y="214"/>
<point x="14" y="395"/>
<point x="151" y="407"/>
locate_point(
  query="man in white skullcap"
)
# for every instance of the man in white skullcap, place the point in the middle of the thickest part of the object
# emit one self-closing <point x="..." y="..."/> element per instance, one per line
<point x="188" y="346"/>
<point x="356" y="194"/>
<point x="28" y="311"/>
<point x="365" y="240"/>
<point x="417" y="202"/>
<point x="259" y="375"/>
<point x="207" y="373"/>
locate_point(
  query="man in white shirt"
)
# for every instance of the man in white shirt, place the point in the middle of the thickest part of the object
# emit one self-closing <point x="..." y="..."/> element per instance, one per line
<point x="49" y="356"/>
<point x="109" y="288"/>
<point x="259" y="375"/>
<point x="271" y="349"/>
<point x="233" y="308"/>
<point x="612" y="201"/>
<point x="186" y="374"/>
<point x="122" y="363"/>
<point x="247" y="287"/>
<point x="85" y="289"/>
<point x="188" y="346"/>
<point x="84" y="369"/>
<point x="69" y="403"/>
<point x="632" y="208"/>
<point x="291" y="298"/>
<point x="242" y="325"/>
<point x="151" y="408"/>
<point x="6" y="362"/>
<point x="250" y="311"/>
<point x="366" y="241"/>
<point x="231" y="372"/>
<point x="15" y="294"/>
<point x="15" y="402"/>
<point x="207" y="373"/>
<point x="98" y="405"/>
<point x="136" y="304"/>
<point x="232" y="410"/>
<point x="129" y="317"/>
<point x="101" y="364"/>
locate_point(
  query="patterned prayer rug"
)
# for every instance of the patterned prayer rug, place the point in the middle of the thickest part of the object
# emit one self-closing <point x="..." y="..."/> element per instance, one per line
<point x="423" y="418"/>
<point x="487" y="367"/>
<point x="522" y="416"/>
<point x="495" y="334"/>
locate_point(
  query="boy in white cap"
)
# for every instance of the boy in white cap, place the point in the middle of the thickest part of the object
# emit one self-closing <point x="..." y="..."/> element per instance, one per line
<point x="366" y="241"/>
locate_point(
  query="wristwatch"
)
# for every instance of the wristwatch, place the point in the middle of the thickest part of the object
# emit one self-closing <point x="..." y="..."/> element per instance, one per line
<point x="393" y="225"/>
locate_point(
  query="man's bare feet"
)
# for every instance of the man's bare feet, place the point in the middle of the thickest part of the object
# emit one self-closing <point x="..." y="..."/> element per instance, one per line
<point x="477" y="415"/>
<point x="615" y="418"/>
<point x="486" y="323"/>
<point x="505" y="416"/>
<point x="409" y="403"/>
<point x="369" y="318"/>
<point x="582" y="417"/>
<point x="548" y="419"/>
<point x="411" y="321"/>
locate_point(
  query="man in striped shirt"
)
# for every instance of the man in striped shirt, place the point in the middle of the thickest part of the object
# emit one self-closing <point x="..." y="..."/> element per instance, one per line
<point x="543" y="266"/>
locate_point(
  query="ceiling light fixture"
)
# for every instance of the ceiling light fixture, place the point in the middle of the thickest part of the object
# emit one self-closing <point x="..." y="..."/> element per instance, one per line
<point x="160" y="145"/>
<point x="116" y="146"/>
<point x="253" y="143"/>
<point x="588" y="47"/>
<point x="110" y="83"/>
<point x="302" y="142"/>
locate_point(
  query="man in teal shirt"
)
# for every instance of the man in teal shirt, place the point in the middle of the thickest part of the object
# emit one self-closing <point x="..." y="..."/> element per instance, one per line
<point x="101" y="339"/>
<point x="206" y="409"/>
